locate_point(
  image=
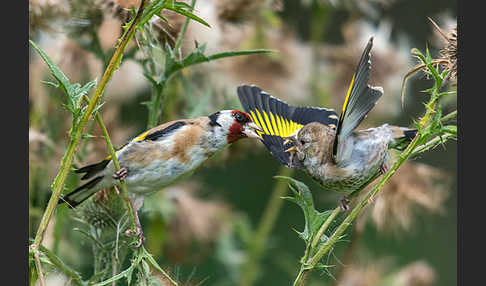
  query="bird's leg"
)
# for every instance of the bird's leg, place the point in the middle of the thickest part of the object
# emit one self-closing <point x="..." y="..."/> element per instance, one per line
<point x="120" y="174"/>
<point x="383" y="168"/>
<point x="343" y="203"/>
<point x="139" y="232"/>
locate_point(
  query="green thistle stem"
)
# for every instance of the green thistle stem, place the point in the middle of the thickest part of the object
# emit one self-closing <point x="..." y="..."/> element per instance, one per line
<point x="425" y="126"/>
<point x="68" y="157"/>
<point x="117" y="167"/>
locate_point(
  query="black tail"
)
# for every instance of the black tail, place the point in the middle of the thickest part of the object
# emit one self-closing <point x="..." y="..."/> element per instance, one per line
<point x="402" y="137"/>
<point x="93" y="169"/>
<point x="81" y="193"/>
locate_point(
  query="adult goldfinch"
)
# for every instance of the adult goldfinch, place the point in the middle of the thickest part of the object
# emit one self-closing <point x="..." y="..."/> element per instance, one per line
<point x="325" y="146"/>
<point x="162" y="155"/>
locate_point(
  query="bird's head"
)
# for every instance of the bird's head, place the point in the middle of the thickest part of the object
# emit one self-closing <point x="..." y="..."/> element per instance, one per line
<point x="313" y="142"/>
<point x="235" y="124"/>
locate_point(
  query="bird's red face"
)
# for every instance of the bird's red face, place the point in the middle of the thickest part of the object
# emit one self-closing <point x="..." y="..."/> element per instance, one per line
<point x="241" y="127"/>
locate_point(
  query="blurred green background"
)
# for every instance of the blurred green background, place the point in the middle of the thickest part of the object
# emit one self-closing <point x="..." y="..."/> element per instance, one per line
<point x="199" y="229"/>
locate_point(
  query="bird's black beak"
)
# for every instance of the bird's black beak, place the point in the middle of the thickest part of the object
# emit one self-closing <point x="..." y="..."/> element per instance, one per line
<point x="251" y="130"/>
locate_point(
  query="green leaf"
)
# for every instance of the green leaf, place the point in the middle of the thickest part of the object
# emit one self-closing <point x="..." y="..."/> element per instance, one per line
<point x="56" y="85"/>
<point x="452" y="129"/>
<point x="150" y="78"/>
<point x="303" y="197"/>
<point x="55" y="70"/>
<point x="146" y="268"/>
<point x="239" y="53"/>
<point x="177" y="7"/>
<point x="87" y="136"/>
<point x="54" y="259"/>
<point x="74" y="92"/>
<point x="126" y="273"/>
<point x="197" y="56"/>
<point x="98" y="107"/>
<point x="148" y="256"/>
<point x="152" y="8"/>
<point x="182" y="5"/>
<point x="163" y="18"/>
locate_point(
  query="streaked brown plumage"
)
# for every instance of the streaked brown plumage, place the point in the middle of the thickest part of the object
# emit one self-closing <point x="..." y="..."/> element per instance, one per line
<point x="328" y="149"/>
<point x="162" y="156"/>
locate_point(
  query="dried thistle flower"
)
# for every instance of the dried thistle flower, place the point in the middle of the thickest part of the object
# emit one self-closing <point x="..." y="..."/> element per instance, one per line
<point x="414" y="186"/>
<point x="190" y="220"/>
<point x="43" y="14"/>
<point x="104" y="211"/>
<point x="449" y="50"/>
<point x="417" y="273"/>
<point x="195" y="219"/>
<point x="448" y="57"/>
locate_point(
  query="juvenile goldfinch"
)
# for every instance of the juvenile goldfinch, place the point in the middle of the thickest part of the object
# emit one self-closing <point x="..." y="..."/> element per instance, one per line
<point x="322" y="144"/>
<point x="162" y="155"/>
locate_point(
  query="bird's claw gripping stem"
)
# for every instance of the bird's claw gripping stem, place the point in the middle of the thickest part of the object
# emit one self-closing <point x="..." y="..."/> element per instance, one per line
<point x="343" y="203"/>
<point x="383" y="168"/>
<point x="139" y="234"/>
<point x="120" y="174"/>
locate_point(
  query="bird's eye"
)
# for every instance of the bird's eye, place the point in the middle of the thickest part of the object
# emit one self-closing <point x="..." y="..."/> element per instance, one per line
<point x="240" y="118"/>
<point x="302" y="142"/>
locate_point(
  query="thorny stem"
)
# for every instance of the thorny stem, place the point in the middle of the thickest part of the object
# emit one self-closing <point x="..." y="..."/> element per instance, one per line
<point x="158" y="91"/>
<point x="312" y="262"/>
<point x="183" y="31"/>
<point x="433" y="142"/>
<point x="154" y="111"/>
<point x="309" y="264"/>
<point x="324" y="226"/>
<point x="38" y="265"/>
<point x="449" y="116"/>
<point x="67" y="159"/>
<point x="124" y="189"/>
<point x="269" y="217"/>
<point x="117" y="167"/>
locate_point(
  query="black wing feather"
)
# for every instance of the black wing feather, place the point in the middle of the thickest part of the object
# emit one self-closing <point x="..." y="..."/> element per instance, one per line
<point x="159" y="133"/>
<point x="360" y="99"/>
<point x="253" y="99"/>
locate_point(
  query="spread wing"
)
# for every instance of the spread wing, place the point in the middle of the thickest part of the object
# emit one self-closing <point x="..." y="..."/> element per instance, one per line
<point x="278" y="119"/>
<point x="360" y="99"/>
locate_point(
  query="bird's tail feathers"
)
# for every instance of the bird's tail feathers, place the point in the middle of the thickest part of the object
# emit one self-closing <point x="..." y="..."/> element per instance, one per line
<point x="402" y="136"/>
<point x="81" y="193"/>
<point x="93" y="169"/>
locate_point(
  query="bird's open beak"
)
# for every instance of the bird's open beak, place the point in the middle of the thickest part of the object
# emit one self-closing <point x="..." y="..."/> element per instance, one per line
<point x="250" y="130"/>
<point x="291" y="149"/>
<point x="290" y="139"/>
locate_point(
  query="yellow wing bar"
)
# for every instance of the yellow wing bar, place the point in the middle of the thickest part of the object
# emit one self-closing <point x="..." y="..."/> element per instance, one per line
<point x="139" y="138"/>
<point x="345" y="105"/>
<point x="274" y="124"/>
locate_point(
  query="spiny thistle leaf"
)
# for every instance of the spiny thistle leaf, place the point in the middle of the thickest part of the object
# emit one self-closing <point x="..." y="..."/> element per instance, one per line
<point x="303" y="197"/>
<point x="55" y="70"/>
<point x="172" y="65"/>
<point x="178" y="8"/>
<point x="74" y="91"/>
<point x="452" y="129"/>
<point x="156" y="7"/>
